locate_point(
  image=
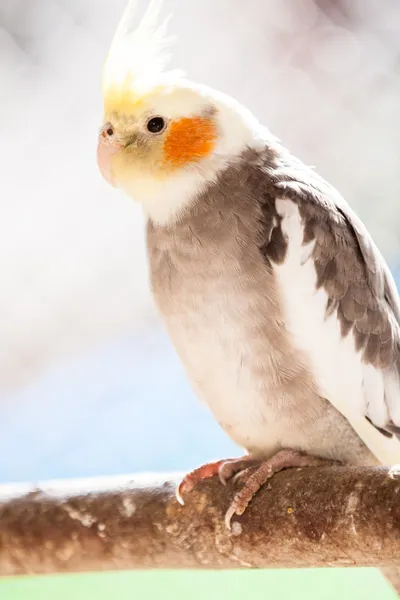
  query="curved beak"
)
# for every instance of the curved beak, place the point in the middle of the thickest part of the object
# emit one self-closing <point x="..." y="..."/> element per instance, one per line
<point x="106" y="150"/>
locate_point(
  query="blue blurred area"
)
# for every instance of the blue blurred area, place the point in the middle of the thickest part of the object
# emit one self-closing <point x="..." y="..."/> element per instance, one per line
<point x="125" y="407"/>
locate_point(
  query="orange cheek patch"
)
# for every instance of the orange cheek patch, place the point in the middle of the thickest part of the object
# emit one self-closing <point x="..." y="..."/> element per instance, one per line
<point x="189" y="140"/>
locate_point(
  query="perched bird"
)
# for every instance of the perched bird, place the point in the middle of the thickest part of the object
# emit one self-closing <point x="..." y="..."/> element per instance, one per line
<point x="282" y="310"/>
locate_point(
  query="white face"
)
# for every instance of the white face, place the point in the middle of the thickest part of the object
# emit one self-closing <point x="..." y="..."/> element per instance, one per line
<point x="173" y="143"/>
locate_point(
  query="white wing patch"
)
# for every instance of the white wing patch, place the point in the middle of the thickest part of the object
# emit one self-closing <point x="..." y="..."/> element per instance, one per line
<point x="355" y="389"/>
<point x="374" y="394"/>
<point x="392" y="393"/>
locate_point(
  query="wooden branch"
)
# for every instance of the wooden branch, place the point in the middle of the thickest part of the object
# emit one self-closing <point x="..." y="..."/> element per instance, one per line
<point x="328" y="516"/>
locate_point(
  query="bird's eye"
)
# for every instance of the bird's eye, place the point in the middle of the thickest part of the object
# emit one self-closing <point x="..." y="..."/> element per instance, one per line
<point x="155" y="124"/>
<point x="107" y="130"/>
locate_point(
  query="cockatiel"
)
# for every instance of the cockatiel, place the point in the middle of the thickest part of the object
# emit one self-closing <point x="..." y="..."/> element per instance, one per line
<point x="282" y="310"/>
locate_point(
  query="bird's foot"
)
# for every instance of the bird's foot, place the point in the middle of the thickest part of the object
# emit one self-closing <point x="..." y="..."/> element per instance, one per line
<point x="253" y="477"/>
<point x="251" y="471"/>
<point x="225" y="469"/>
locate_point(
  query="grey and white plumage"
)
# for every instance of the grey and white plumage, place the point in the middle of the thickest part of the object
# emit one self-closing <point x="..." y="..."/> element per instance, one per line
<point x="283" y="312"/>
<point x="281" y="308"/>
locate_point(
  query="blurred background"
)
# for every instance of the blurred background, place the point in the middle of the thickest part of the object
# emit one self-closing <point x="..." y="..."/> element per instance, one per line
<point x="89" y="384"/>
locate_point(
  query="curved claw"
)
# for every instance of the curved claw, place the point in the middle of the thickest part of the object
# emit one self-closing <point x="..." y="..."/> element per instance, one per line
<point x="230" y="468"/>
<point x="178" y="494"/>
<point x="223" y="479"/>
<point x="186" y="485"/>
<point x="237" y="477"/>
<point x="228" y="517"/>
<point x="243" y="475"/>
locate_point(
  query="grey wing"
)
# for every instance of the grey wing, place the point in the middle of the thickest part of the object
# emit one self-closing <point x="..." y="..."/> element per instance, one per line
<point x="360" y="288"/>
<point x="382" y="295"/>
<point x="375" y="262"/>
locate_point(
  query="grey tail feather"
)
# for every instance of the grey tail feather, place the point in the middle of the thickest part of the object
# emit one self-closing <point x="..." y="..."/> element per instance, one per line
<point x="386" y="431"/>
<point x="395" y="429"/>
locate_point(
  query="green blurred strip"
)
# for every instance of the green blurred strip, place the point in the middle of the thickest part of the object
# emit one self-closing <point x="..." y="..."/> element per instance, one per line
<point x="302" y="584"/>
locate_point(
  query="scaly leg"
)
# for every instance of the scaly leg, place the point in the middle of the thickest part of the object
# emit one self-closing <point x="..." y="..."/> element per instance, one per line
<point x="250" y="470"/>
<point x="254" y="479"/>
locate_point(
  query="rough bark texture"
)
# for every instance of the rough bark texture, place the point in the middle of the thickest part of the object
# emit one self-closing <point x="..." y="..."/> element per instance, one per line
<point x="327" y="516"/>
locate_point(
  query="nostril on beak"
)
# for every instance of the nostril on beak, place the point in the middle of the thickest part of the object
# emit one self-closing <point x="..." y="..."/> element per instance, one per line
<point x="107" y="147"/>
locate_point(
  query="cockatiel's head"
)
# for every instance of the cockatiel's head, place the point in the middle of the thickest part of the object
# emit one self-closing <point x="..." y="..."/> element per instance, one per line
<point x="163" y="137"/>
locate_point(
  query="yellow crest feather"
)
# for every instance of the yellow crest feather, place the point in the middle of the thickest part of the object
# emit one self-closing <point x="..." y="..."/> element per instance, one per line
<point x="137" y="59"/>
